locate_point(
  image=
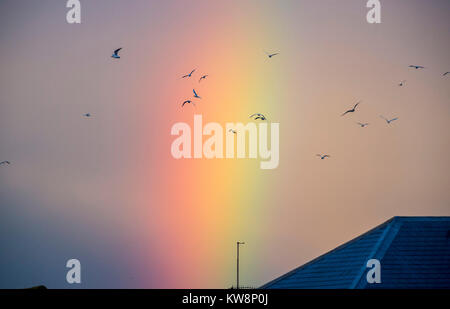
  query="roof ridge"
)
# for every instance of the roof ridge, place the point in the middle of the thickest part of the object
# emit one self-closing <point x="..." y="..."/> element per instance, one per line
<point x="374" y="251"/>
<point x="384" y="246"/>
<point x="326" y="253"/>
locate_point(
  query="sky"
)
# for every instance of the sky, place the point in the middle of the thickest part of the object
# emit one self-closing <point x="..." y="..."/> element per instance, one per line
<point x="107" y="191"/>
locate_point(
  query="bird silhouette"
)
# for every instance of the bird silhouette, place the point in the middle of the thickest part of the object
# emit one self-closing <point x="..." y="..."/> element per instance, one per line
<point x="187" y="102"/>
<point x="188" y="75"/>
<point x="363" y="124"/>
<point x="87" y="115"/>
<point x="5" y="162"/>
<point x="271" y="55"/>
<point x="203" y="77"/>
<point x="322" y="156"/>
<point x="416" y="67"/>
<point x="232" y="131"/>
<point x="445" y="73"/>
<point x="351" y="110"/>
<point x="258" y="116"/>
<point x="402" y="83"/>
<point x="195" y="94"/>
<point x="116" y="53"/>
<point x="387" y="120"/>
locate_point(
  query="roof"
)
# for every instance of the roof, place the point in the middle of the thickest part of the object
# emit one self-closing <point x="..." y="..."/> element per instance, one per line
<point x="414" y="252"/>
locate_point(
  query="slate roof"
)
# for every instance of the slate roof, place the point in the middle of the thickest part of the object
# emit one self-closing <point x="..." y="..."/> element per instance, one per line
<point x="414" y="253"/>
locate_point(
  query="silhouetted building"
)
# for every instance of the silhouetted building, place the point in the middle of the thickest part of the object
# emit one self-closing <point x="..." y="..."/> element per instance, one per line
<point x="414" y="253"/>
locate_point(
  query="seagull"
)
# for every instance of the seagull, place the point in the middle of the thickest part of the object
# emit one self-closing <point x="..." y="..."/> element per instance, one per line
<point x="187" y="102"/>
<point x="389" y="121"/>
<point x="445" y="73"/>
<point x="258" y="116"/>
<point x="271" y="55"/>
<point x="87" y="115"/>
<point x="116" y="53"/>
<point x="322" y="157"/>
<point x="232" y="131"/>
<point x="5" y="162"/>
<point x="188" y="75"/>
<point x="416" y="67"/>
<point x="203" y="77"/>
<point x="351" y="110"/>
<point x="195" y="94"/>
<point x="363" y="124"/>
<point x="402" y="83"/>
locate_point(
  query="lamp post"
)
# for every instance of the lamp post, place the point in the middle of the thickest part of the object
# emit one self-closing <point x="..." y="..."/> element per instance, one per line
<point x="237" y="268"/>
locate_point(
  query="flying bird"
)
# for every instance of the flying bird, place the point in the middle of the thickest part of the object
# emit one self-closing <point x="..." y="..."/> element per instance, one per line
<point x="188" y="75"/>
<point x="258" y="116"/>
<point x="389" y="121"/>
<point x="195" y="94"/>
<point x="232" y="131"/>
<point x="5" y="162"/>
<point x="116" y="53"/>
<point x="416" y="67"/>
<point x="187" y="102"/>
<point x="203" y="77"/>
<point x="322" y="157"/>
<point x="351" y="110"/>
<point x="271" y="55"/>
<point x="445" y="73"/>
<point x="363" y="124"/>
<point x="402" y="83"/>
<point x="87" y="115"/>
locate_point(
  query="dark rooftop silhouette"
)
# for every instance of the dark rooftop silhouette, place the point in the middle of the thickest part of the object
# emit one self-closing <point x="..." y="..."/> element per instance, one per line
<point x="414" y="253"/>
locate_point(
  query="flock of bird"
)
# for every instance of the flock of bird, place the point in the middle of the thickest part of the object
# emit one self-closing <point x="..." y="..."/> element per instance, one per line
<point x="256" y="116"/>
<point x="361" y="124"/>
<point x="193" y="90"/>
<point x="388" y="121"/>
<point x="259" y="116"/>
